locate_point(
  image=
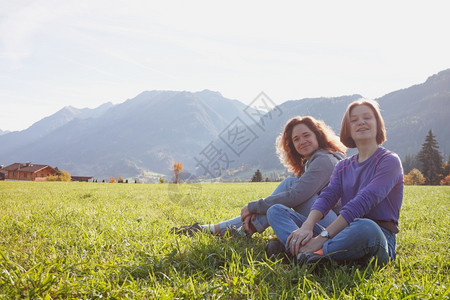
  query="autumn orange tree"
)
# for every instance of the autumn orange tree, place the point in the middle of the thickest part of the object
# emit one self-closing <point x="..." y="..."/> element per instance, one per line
<point x="414" y="177"/>
<point x="177" y="169"/>
<point x="61" y="176"/>
<point x="446" y="180"/>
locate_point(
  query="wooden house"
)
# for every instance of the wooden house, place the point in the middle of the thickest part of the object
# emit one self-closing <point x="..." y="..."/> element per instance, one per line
<point x="29" y="172"/>
<point x="81" y="178"/>
<point x="3" y="173"/>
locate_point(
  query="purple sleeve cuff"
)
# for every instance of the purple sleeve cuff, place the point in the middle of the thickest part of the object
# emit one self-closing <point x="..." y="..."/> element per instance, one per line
<point x="347" y="216"/>
<point x="319" y="205"/>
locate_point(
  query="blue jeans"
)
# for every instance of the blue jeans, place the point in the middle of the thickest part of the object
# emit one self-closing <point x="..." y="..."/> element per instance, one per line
<point x="261" y="223"/>
<point x="360" y="241"/>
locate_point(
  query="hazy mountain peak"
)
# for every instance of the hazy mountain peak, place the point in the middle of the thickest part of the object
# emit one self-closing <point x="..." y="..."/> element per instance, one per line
<point x="209" y="92"/>
<point x="69" y="108"/>
<point x="439" y="78"/>
<point x="150" y="94"/>
<point x="4" y="132"/>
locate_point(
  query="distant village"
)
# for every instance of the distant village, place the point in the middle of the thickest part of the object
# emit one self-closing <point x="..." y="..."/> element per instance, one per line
<point x="34" y="172"/>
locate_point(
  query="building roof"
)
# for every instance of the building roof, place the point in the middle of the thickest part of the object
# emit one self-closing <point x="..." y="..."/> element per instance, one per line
<point x="27" y="167"/>
<point x="80" y="178"/>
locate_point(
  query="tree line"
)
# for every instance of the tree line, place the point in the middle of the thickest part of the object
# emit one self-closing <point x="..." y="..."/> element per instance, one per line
<point x="426" y="167"/>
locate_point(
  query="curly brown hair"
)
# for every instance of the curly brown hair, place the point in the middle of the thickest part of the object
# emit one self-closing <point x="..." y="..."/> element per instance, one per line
<point x="325" y="136"/>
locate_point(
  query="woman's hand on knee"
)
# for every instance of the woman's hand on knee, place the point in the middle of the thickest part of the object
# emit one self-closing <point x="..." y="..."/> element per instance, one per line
<point x="248" y="226"/>
<point x="297" y="239"/>
<point x="245" y="213"/>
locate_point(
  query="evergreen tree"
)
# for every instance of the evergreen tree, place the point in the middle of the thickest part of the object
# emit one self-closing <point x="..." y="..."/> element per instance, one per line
<point x="431" y="160"/>
<point x="257" y="177"/>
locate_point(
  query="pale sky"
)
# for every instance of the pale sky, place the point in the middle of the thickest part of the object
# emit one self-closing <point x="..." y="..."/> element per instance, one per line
<point x="85" y="53"/>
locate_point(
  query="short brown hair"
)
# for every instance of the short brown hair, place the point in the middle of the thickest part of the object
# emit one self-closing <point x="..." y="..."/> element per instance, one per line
<point x="345" y="134"/>
<point x="325" y="136"/>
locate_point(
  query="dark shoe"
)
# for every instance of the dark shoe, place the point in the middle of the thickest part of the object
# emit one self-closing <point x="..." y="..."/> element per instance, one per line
<point x="188" y="230"/>
<point x="310" y="258"/>
<point x="237" y="232"/>
<point x="275" y="250"/>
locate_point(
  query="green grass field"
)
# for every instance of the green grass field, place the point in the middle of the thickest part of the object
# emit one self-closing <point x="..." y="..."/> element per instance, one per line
<point x="112" y="241"/>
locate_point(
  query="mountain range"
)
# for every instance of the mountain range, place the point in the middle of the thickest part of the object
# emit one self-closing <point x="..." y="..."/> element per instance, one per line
<point x="142" y="137"/>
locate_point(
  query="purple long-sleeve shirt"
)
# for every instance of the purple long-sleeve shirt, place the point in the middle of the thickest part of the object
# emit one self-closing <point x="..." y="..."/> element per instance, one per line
<point x="372" y="189"/>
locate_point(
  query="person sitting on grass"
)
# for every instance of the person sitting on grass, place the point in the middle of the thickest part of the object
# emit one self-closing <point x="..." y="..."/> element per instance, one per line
<point x="310" y="149"/>
<point x="369" y="185"/>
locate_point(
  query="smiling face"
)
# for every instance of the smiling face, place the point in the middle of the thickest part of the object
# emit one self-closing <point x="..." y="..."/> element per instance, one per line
<point x="304" y="140"/>
<point x="363" y="124"/>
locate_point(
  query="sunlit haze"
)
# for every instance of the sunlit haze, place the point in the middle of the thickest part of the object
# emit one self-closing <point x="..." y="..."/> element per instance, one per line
<point x="86" y="53"/>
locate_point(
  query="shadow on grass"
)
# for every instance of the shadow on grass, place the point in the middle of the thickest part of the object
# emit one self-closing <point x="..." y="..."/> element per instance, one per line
<point x="201" y="255"/>
<point x="206" y="257"/>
